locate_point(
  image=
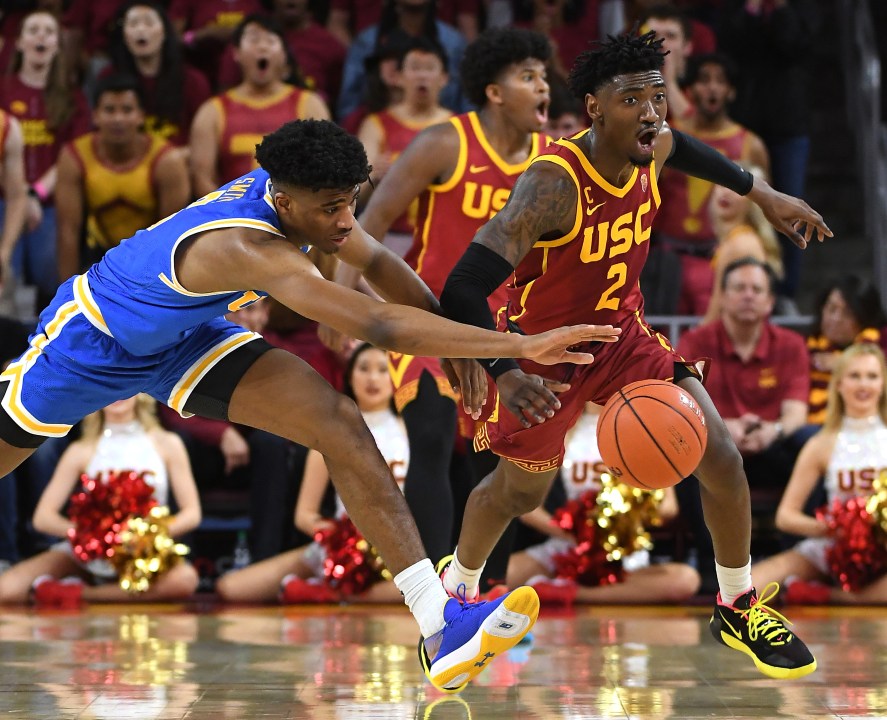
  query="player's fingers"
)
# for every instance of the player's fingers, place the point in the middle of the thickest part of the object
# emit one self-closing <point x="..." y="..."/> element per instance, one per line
<point x="555" y="386"/>
<point x="578" y="358"/>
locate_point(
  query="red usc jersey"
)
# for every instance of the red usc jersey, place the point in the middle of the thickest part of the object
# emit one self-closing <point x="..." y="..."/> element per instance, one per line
<point x="246" y="121"/>
<point x="452" y="212"/>
<point x="396" y="135"/>
<point x="590" y="275"/>
<point x="685" y="214"/>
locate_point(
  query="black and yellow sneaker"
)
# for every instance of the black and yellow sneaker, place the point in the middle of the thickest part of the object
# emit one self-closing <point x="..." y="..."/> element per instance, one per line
<point x="749" y="626"/>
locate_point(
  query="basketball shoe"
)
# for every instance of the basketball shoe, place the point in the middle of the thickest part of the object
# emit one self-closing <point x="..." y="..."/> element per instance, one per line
<point x="442" y="566"/>
<point x="751" y="627"/>
<point x="474" y="634"/>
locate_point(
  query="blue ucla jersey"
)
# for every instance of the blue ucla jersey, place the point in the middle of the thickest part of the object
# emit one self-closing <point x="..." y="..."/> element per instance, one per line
<point x="133" y="291"/>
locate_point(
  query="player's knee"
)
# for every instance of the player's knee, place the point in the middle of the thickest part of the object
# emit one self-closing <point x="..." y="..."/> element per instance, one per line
<point x="520" y="500"/>
<point x="722" y="458"/>
<point x="343" y="426"/>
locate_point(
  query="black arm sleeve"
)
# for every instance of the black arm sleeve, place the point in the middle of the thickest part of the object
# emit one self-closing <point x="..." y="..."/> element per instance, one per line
<point x="695" y="158"/>
<point x="464" y="298"/>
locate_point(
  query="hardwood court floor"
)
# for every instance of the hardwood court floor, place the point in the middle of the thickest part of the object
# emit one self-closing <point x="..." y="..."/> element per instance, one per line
<point x="169" y="663"/>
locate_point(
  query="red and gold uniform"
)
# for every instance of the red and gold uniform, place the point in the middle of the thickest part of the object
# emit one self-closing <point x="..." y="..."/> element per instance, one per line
<point x="245" y="121"/>
<point x="41" y="143"/>
<point x="4" y="133"/>
<point x="449" y="215"/>
<point x="119" y="202"/>
<point x="590" y="275"/>
<point x="685" y="215"/>
<point x="396" y="135"/>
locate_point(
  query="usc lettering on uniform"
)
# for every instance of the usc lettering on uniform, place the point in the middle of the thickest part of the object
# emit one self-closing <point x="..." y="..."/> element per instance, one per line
<point x="482" y="202"/>
<point x="858" y="480"/>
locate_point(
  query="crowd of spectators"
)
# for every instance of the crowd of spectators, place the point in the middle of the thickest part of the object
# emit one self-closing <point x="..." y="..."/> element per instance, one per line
<point x="116" y="113"/>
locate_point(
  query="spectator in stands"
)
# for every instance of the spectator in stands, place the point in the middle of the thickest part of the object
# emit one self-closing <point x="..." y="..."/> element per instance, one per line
<point x="117" y="179"/>
<point x="741" y="231"/>
<point x="849" y="310"/>
<point x="414" y="17"/>
<point x="850" y="451"/>
<point x="123" y="436"/>
<point x="675" y="29"/>
<point x="13" y="205"/>
<point x="206" y="26"/>
<point x="39" y="94"/>
<point x="537" y="566"/>
<point x="566" y="113"/>
<point x="757" y="381"/>
<point x="145" y="46"/>
<point x="228" y="127"/>
<point x="297" y="575"/>
<point x="771" y="41"/>
<point x="319" y="54"/>
<point x="88" y="26"/>
<point x="348" y="18"/>
<point x="422" y="75"/>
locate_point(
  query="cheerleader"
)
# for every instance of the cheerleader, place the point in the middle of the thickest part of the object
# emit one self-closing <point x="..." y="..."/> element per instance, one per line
<point x="123" y="436"/>
<point x="849" y="452"/>
<point x="641" y="583"/>
<point x="297" y="575"/>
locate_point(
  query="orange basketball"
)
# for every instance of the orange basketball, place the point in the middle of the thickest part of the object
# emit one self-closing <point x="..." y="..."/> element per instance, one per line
<point x="651" y="434"/>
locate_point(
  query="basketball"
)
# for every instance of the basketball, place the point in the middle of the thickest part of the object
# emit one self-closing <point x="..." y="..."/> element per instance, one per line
<point x="651" y="434"/>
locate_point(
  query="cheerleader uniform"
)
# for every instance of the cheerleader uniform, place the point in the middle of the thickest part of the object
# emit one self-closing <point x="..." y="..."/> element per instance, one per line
<point x="859" y="456"/>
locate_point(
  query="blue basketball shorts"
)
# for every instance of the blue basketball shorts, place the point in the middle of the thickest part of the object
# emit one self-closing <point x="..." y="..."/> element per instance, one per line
<point x="74" y="367"/>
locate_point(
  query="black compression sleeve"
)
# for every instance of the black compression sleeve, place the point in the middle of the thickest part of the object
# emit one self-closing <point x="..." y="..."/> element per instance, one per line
<point x="464" y="298"/>
<point x="695" y="158"/>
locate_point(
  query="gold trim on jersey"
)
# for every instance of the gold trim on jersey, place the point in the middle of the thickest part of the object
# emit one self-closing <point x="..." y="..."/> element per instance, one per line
<point x="173" y="282"/>
<point x="654" y="184"/>
<point x="179" y="395"/>
<point x="594" y="174"/>
<point x="260" y="103"/>
<point x="497" y="159"/>
<point x="88" y="306"/>
<point x="482" y="442"/>
<point x="459" y="170"/>
<point x="577" y="225"/>
<point x="12" y="400"/>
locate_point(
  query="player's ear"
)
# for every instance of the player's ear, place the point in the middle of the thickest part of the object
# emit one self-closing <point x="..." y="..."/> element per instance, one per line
<point x="494" y="93"/>
<point x="593" y="106"/>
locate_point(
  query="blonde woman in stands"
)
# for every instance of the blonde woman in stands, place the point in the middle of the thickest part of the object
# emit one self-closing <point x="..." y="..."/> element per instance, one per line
<point x="742" y="231"/>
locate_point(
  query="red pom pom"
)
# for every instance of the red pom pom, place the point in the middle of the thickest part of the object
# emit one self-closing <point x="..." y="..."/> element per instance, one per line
<point x="586" y="562"/>
<point x="351" y="564"/>
<point x="856" y="557"/>
<point x="101" y="509"/>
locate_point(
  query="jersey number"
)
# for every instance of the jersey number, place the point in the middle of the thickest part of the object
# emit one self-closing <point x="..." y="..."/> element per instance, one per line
<point x="248" y="298"/>
<point x="618" y="271"/>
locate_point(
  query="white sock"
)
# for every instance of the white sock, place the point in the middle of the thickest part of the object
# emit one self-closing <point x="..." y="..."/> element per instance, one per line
<point x="424" y="596"/>
<point x="457" y="574"/>
<point x="733" y="582"/>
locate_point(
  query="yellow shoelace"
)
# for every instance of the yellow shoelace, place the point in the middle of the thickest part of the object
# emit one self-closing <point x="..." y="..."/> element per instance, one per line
<point x="764" y="620"/>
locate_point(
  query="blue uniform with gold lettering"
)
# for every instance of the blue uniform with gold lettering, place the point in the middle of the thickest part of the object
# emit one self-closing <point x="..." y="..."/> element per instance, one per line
<point x="127" y="325"/>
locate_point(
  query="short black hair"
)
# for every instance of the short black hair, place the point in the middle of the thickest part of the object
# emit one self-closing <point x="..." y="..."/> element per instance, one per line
<point x="862" y="298"/>
<point x="695" y="63"/>
<point x="617" y="55"/>
<point x="314" y="154"/>
<point x="118" y="82"/>
<point x="749" y="261"/>
<point x="666" y="11"/>
<point x="422" y="44"/>
<point x="493" y="52"/>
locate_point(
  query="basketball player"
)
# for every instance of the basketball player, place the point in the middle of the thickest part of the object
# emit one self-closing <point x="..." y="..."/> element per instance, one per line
<point x="573" y="238"/>
<point x="227" y="127"/>
<point x="148" y="317"/>
<point x="462" y="172"/>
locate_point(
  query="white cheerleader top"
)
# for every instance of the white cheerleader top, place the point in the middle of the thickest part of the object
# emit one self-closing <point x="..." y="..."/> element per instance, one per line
<point x="859" y="456"/>
<point x="128" y="446"/>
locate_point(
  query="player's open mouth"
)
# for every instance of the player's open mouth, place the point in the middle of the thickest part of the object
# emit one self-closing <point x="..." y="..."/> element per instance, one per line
<point x="542" y="112"/>
<point x="646" y="138"/>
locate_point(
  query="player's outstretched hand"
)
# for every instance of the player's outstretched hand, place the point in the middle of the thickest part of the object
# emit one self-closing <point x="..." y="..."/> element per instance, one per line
<point x="790" y="215"/>
<point x="553" y="347"/>
<point x="531" y="398"/>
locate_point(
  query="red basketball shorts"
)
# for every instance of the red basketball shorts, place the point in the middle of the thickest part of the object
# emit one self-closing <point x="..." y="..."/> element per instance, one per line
<point x="640" y="354"/>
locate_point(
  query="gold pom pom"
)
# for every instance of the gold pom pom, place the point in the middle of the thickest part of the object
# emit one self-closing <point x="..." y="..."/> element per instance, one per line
<point x="146" y="550"/>
<point x="624" y="513"/>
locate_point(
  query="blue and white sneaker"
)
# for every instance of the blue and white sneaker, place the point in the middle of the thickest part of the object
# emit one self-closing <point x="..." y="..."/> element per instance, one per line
<point x="474" y="634"/>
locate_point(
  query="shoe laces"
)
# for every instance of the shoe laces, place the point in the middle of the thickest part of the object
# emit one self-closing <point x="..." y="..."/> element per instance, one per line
<point x="467" y="609"/>
<point x="764" y="621"/>
<point x="462" y="593"/>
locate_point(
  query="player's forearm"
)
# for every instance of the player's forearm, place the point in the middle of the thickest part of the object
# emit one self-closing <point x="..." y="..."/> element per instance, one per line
<point x="695" y="158"/>
<point x="396" y="281"/>
<point x="415" y="332"/>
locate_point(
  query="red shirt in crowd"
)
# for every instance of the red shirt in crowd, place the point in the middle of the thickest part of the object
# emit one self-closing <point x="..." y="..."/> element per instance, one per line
<point x="776" y="371"/>
<point x="41" y="143"/>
